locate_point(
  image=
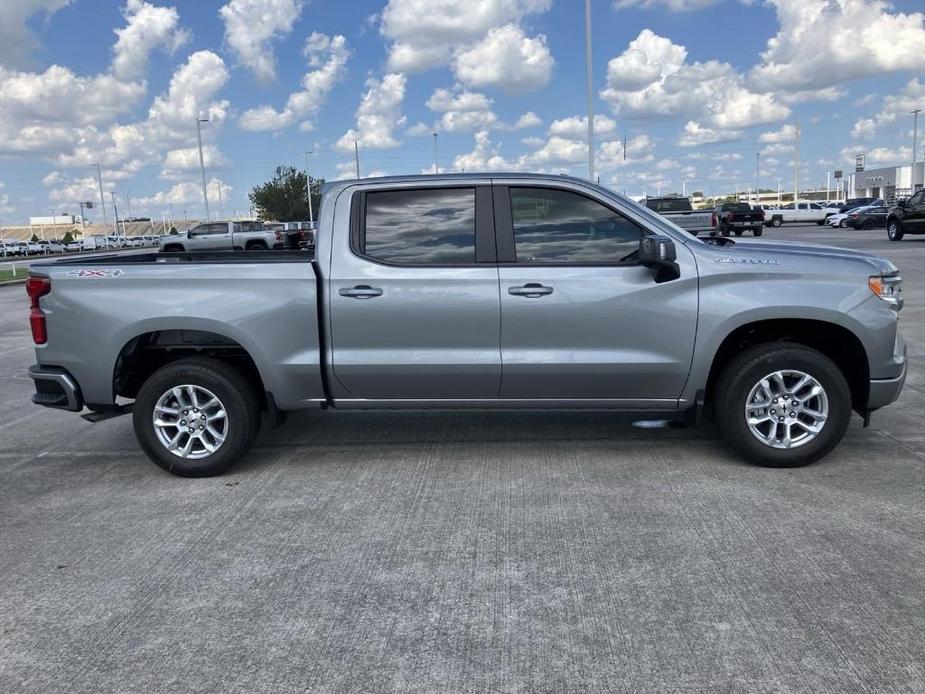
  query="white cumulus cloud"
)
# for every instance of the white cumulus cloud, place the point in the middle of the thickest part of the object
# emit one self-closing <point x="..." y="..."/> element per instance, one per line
<point x="378" y="115"/>
<point x="147" y="27"/>
<point x="250" y="28"/>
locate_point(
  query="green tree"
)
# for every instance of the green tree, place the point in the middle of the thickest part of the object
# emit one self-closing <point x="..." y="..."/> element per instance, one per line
<point x="67" y="238"/>
<point x="34" y="238"/>
<point x="283" y="197"/>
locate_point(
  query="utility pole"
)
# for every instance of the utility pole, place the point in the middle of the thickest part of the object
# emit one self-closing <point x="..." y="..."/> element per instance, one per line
<point x="827" y="181"/>
<point x="796" y="166"/>
<point x="915" y="133"/>
<point x="436" y="167"/>
<point x="221" y="207"/>
<point x="202" y="165"/>
<point x="757" y="174"/>
<point x="590" y="91"/>
<point x="356" y="154"/>
<point x="99" y="178"/>
<point x="308" y="187"/>
<point x="115" y="213"/>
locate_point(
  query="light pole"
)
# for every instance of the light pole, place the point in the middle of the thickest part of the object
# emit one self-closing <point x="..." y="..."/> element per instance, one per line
<point x="99" y="178"/>
<point x="202" y="165"/>
<point x="436" y="167"/>
<point x="915" y="133"/>
<point x="221" y="206"/>
<point x="757" y="173"/>
<point x="590" y="91"/>
<point x="356" y="154"/>
<point x="796" y="165"/>
<point x="115" y="213"/>
<point x="308" y="187"/>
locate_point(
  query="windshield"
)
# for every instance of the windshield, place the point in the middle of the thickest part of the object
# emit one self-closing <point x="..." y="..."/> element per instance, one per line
<point x="737" y="207"/>
<point x="669" y="205"/>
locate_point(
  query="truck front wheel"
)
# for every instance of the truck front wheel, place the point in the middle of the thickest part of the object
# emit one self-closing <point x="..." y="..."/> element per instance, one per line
<point x="782" y="404"/>
<point x="894" y="230"/>
<point x="196" y="417"/>
<point x="776" y="221"/>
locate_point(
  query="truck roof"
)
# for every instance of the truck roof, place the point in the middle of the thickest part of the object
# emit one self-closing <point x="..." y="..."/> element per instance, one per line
<point x="462" y="177"/>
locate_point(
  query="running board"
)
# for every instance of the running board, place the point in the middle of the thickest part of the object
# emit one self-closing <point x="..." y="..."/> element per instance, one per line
<point x="103" y="415"/>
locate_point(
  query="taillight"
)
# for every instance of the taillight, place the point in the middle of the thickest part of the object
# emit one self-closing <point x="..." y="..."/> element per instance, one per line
<point x="713" y="219"/>
<point x="37" y="287"/>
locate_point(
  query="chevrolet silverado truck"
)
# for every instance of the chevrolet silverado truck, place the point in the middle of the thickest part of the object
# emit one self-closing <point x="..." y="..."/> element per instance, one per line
<point x="473" y="291"/>
<point x="215" y="236"/>
<point x="680" y="211"/>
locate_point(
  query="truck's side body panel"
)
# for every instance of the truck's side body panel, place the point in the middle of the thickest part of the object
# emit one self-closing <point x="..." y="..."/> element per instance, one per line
<point x="273" y="315"/>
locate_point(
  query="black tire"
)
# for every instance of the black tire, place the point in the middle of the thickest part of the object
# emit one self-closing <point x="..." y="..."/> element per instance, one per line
<point x="757" y="231"/>
<point x="776" y="222"/>
<point x="843" y="224"/>
<point x="724" y="231"/>
<point x="820" y="222"/>
<point x="256" y="246"/>
<point x="237" y="396"/>
<point x="737" y="232"/>
<point x="173" y="249"/>
<point x="753" y="364"/>
<point x="894" y="230"/>
<point x="868" y="224"/>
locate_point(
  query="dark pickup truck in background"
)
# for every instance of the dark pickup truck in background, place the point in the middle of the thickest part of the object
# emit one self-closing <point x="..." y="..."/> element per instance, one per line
<point x="737" y="217"/>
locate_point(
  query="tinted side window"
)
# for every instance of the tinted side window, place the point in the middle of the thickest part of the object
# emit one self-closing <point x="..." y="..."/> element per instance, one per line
<point x="917" y="199"/>
<point x="558" y="226"/>
<point x="420" y="227"/>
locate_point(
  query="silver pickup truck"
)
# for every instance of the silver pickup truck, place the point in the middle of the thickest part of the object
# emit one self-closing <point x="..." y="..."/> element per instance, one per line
<point x="474" y="291"/>
<point x="681" y="213"/>
<point x="228" y="235"/>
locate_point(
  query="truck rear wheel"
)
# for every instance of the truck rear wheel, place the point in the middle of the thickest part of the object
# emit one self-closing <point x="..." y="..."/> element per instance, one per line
<point x="776" y="222"/>
<point x="256" y="246"/>
<point x="894" y="231"/>
<point x="196" y="417"/>
<point x="782" y="404"/>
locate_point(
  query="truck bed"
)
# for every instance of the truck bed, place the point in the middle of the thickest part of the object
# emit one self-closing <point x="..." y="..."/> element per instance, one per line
<point x="266" y="302"/>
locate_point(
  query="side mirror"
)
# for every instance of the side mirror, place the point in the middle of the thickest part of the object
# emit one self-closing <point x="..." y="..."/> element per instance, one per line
<point x="658" y="253"/>
<point x="900" y="203"/>
<point x="189" y="233"/>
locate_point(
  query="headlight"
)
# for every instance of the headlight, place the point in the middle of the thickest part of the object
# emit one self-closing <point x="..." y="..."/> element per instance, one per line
<point x="887" y="287"/>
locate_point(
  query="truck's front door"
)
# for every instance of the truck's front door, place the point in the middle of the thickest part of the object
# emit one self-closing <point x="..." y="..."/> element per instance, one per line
<point x="210" y="237"/>
<point x="415" y="312"/>
<point x="580" y="318"/>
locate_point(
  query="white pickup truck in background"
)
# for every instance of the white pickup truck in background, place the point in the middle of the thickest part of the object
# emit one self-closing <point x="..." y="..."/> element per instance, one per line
<point x="803" y="212"/>
<point x="679" y="211"/>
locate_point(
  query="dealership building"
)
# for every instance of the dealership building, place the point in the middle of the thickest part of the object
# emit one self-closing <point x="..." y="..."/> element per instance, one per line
<point x="889" y="182"/>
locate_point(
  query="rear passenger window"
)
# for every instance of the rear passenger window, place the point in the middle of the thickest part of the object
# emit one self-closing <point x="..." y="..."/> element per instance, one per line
<point x="420" y="227"/>
<point x="558" y="226"/>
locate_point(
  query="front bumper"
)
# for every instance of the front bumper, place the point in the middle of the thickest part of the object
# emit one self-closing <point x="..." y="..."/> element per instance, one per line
<point x="55" y="387"/>
<point x="884" y="391"/>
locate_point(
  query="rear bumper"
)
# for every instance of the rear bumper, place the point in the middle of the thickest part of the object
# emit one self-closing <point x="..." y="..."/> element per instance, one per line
<point x="55" y="387"/>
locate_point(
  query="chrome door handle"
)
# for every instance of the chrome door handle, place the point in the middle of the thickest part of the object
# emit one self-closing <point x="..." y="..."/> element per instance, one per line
<point x="361" y="291"/>
<point x="531" y="290"/>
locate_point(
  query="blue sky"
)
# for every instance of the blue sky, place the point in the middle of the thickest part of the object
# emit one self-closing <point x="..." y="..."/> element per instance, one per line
<point x="696" y="87"/>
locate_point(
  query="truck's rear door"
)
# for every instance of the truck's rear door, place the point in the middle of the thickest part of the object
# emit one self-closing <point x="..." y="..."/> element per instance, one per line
<point x="579" y="317"/>
<point x="414" y="304"/>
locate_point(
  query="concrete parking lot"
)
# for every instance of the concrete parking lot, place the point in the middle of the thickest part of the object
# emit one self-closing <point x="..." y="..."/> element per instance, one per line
<point x="421" y="552"/>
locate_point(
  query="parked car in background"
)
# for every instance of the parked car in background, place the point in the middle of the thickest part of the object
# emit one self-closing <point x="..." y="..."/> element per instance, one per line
<point x="850" y="204"/>
<point x="13" y="248"/>
<point x="802" y="212"/>
<point x="74" y="246"/>
<point x="906" y="217"/>
<point x="680" y="211"/>
<point x="35" y="248"/>
<point x="53" y="246"/>
<point x="840" y="219"/>
<point x="453" y="291"/>
<point x="228" y="235"/>
<point x="870" y="217"/>
<point x="737" y="218"/>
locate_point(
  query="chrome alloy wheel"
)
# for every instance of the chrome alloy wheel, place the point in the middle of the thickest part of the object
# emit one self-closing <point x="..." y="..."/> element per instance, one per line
<point x="190" y="422"/>
<point x="786" y="409"/>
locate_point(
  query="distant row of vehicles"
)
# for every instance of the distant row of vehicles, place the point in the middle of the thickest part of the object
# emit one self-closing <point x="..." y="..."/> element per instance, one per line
<point x="15" y="248"/>
<point x="735" y="218"/>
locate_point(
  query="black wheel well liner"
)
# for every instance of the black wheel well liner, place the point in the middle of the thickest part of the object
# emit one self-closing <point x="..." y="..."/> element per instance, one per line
<point x="834" y="341"/>
<point x="146" y="353"/>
